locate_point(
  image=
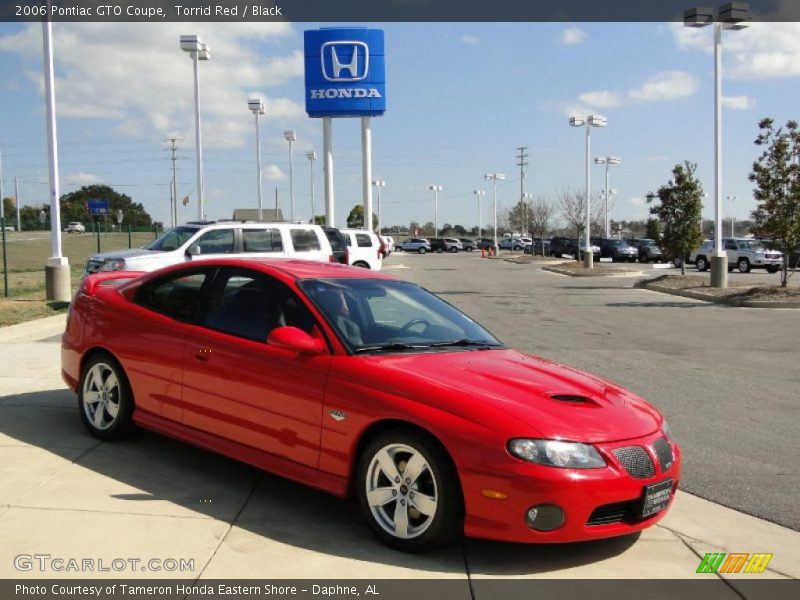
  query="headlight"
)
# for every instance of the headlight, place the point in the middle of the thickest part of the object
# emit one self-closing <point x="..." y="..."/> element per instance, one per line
<point x="555" y="453"/>
<point x="666" y="430"/>
<point x="113" y="264"/>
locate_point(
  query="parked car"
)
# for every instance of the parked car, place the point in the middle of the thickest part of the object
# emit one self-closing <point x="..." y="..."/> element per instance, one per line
<point x="201" y="240"/>
<point x="338" y="244"/>
<point x="649" y="250"/>
<point x="616" y="249"/>
<point x="415" y="244"/>
<point x="517" y="244"/>
<point x="445" y="245"/>
<point x="75" y="227"/>
<point x="560" y="246"/>
<point x="364" y="249"/>
<point x="467" y="244"/>
<point x="354" y="382"/>
<point x="485" y="243"/>
<point x="742" y="253"/>
<point x="388" y="244"/>
<point x="539" y="246"/>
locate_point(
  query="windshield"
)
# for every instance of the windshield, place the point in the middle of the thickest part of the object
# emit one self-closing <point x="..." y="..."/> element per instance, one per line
<point x="374" y="315"/>
<point x="172" y="239"/>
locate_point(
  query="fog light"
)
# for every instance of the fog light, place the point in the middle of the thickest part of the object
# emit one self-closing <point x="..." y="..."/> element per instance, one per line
<point x="544" y="517"/>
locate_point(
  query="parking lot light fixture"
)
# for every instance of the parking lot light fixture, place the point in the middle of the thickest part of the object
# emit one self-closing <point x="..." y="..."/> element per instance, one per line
<point x="588" y="122"/>
<point x="435" y="189"/>
<point x="607" y="161"/>
<point x="312" y="156"/>
<point x="494" y="178"/>
<point x="480" y="194"/>
<point x="197" y="51"/>
<point x="379" y="183"/>
<point x="732" y="16"/>
<point x="290" y="136"/>
<point x="256" y="106"/>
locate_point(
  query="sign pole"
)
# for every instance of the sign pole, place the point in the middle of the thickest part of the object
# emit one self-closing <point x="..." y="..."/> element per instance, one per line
<point x="327" y="159"/>
<point x="366" y="170"/>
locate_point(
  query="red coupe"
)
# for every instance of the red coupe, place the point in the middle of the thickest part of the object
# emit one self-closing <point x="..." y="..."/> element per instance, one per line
<point x="357" y="383"/>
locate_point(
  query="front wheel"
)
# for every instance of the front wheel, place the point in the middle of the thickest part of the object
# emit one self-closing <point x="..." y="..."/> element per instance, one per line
<point x="421" y="250"/>
<point x="105" y="399"/>
<point x="469" y="248"/>
<point x="743" y="265"/>
<point x="702" y="263"/>
<point x="772" y="269"/>
<point x="453" y="249"/>
<point x="408" y="491"/>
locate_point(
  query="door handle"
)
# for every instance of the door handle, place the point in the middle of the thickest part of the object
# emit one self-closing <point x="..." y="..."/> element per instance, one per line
<point x="202" y="354"/>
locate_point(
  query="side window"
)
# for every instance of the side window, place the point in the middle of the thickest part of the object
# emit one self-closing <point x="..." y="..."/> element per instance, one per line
<point x="730" y="245"/>
<point x="216" y="241"/>
<point x="177" y="296"/>
<point x="250" y="305"/>
<point x="363" y="240"/>
<point x="304" y="240"/>
<point x="262" y="240"/>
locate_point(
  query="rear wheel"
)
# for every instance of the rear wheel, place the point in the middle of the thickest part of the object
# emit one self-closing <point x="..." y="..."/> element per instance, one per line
<point x="702" y="263"/>
<point x="453" y="249"/>
<point x="421" y="250"/>
<point x="361" y="264"/>
<point x="468" y="248"/>
<point x="105" y="400"/>
<point x="743" y="265"/>
<point x="772" y="269"/>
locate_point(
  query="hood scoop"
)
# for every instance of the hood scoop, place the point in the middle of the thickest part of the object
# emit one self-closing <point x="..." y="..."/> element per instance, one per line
<point x="573" y="399"/>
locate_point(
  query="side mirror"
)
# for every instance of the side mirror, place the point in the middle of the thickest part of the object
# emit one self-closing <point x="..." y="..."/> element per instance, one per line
<point x="295" y="340"/>
<point x="193" y="250"/>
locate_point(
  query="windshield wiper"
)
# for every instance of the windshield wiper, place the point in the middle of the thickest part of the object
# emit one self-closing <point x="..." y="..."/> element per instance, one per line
<point x="464" y="342"/>
<point x="395" y="347"/>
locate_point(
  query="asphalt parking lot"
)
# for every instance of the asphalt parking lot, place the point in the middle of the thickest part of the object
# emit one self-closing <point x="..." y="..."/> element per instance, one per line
<point x="68" y="495"/>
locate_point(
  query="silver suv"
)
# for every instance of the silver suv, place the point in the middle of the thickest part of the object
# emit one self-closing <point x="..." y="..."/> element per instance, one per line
<point x="743" y="254"/>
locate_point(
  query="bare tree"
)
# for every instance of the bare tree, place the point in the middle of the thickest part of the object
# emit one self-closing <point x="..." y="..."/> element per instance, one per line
<point x="540" y="214"/>
<point x="572" y="206"/>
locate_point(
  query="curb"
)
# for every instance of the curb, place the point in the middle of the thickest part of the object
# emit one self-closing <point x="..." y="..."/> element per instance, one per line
<point x="597" y="273"/>
<point x="735" y="302"/>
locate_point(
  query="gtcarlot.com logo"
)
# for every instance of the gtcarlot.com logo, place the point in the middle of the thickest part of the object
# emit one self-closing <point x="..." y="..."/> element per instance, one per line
<point x="735" y="562"/>
<point x="57" y="564"/>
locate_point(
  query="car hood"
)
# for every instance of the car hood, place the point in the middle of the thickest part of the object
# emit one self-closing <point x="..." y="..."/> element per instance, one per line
<point x="480" y="382"/>
<point x="131" y="253"/>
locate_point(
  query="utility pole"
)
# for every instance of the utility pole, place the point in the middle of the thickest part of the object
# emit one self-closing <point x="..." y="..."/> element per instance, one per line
<point x="174" y="203"/>
<point x="276" y="203"/>
<point x="16" y="201"/>
<point x="522" y="163"/>
<point x="2" y="204"/>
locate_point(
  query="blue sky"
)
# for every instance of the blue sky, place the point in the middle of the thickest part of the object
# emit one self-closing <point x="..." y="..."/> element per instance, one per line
<point x="461" y="98"/>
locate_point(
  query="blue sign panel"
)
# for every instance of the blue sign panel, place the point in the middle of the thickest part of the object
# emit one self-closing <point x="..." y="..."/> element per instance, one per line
<point x="345" y="73"/>
<point x="98" y="207"/>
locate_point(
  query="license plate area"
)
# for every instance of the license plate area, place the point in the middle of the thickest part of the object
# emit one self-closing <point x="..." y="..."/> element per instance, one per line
<point x="656" y="498"/>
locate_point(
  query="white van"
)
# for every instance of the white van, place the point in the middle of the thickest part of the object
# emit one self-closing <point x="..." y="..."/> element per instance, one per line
<point x="208" y="239"/>
<point x="364" y="249"/>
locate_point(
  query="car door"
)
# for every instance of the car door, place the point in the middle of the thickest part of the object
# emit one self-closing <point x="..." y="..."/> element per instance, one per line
<point x="732" y="251"/>
<point x="165" y="310"/>
<point x="237" y="386"/>
<point x="214" y="243"/>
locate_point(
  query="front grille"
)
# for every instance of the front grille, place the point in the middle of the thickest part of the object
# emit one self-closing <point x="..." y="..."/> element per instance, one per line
<point x="664" y="453"/>
<point x="93" y="266"/>
<point x="614" y="513"/>
<point x="636" y="461"/>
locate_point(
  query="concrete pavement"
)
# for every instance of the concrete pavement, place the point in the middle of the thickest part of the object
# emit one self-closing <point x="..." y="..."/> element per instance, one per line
<point x="67" y="495"/>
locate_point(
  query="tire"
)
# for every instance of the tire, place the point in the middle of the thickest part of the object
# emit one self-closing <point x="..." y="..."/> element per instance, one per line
<point x="439" y="250"/>
<point x="468" y="249"/>
<point x="361" y="264"/>
<point x="743" y="265"/>
<point x="702" y="263"/>
<point x="103" y="378"/>
<point x="454" y="249"/>
<point x="421" y="250"/>
<point x="380" y="469"/>
<point x="518" y="248"/>
<point x="772" y="269"/>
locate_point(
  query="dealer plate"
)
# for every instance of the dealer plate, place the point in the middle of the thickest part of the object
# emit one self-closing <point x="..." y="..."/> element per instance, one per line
<point x="656" y="498"/>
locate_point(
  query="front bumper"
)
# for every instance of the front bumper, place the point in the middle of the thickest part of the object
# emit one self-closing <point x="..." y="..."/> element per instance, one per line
<point x="578" y="492"/>
<point x="766" y="262"/>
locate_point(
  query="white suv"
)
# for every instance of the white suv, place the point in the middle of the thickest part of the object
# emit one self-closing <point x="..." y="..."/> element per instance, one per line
<point x="743" y="254"/>
<point x="364" y="249"/>
<point x="208" y="239"/>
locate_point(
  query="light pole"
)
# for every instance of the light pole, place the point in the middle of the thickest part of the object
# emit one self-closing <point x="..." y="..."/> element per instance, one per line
<point x="197" y="51"/>
<point x="494" y="178"/>
<point x="256" y="106"/>
<point x="312" y="156"/>
<point x="588" y="123"/>
<point x="435" y="189"/>
<point x="290" y="136"/>
<point x="480" y="194"/>
<point x="607" y="161"/>
<point x="379" y="183"/>
<point x="733" y="219"/>
<point x="728" y="16"/>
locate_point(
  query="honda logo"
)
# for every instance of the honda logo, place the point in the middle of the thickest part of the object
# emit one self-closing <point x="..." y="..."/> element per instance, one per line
<point x="344" y="61"/>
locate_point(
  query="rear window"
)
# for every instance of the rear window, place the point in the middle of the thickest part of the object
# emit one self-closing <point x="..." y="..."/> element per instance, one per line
<point x="262" y="240"/>
<point x="336" y="239"/>
<point x="304" y="240"/>
<point x="363" y="240"/>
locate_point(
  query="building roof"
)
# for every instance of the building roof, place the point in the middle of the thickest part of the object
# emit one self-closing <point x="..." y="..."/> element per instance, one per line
<point x="251" y="214"/>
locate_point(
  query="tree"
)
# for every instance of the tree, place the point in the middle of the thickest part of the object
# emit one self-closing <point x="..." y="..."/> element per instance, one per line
<point x="9" y="207"/>
<point x="777" y="191"/>
<point x="653" y="231"/>
<point x="572" y="206"/>
<point x="679" y="205"/>
<point x="541" y="211"/>
<point x="74" y="206"/>
<point x="355" y="219"/>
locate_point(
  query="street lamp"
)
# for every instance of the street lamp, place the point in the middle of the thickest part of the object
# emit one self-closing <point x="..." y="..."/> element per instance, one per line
<point x="494" y="178"/>
<point x="256" y="106"/>
<point x="480" y="194"/>
<point x="588" y="123"/>
<point x="733" y="219"/>
<point x="435" y="189"/>
<point x="312" y="156"/>
<point x="379" y="183"/>
<point x="290" y="136"/>
<point x="197" y="51"/>
<point x="607" y="161"/>
<point x="728" y="16"/>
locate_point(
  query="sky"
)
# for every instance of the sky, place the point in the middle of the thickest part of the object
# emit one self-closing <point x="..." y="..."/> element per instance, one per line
<point x="461" y="97"/>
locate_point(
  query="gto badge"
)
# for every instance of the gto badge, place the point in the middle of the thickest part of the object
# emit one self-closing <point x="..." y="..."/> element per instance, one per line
<point x="338" y="415"/>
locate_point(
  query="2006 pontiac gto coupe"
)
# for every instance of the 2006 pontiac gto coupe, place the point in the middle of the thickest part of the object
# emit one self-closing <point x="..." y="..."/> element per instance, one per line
<point x="357" y="383"/>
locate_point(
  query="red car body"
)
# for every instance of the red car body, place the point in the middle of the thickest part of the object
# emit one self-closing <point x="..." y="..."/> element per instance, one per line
<point x="270" y="407"/>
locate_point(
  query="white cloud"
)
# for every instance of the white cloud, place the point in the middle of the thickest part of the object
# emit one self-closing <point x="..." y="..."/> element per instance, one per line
<point x="470" y="40"/>
<point x="572" y="36"/>
<point x="601" y="99"/>
<point x="272" y="173"/>
<point x="738" y="102"/>
<point x="637" y="201"/>
<point x="666" y="85"/>
<point x="135" y="75"/>
<point x="81" y="178"/>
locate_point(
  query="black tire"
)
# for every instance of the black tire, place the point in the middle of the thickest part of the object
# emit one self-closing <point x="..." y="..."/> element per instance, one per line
<point x="517" y="248"/>
<point x="105" y="427"/>
<point x="743" y="265"/>
<point x="421" y="250"/>
<point x="702" y="263"/>
<point x="468" y="249"/>
<point x="453" y="249"/>
<point x="440" y="479"/>
<point x="772" y="269"/>
<point x="361" y="264"/>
